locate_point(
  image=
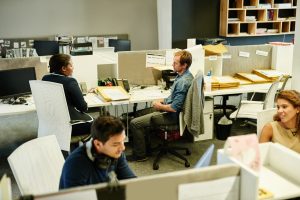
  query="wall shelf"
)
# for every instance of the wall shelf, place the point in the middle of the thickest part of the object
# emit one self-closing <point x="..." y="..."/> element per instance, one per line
<point x="240" y="18"/>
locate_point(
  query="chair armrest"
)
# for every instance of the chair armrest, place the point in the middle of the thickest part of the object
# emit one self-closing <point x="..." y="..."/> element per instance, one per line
<point x="251" y="102"/>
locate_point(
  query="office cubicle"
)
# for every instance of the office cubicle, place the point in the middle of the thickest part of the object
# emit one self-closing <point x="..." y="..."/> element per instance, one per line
<point x="215" y="182"/>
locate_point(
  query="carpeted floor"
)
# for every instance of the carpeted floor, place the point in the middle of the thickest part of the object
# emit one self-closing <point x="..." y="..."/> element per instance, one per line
<point x="167" y="164"/>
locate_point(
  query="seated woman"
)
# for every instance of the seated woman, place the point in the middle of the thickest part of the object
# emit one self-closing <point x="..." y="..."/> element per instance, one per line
<point x="285" y="127"/>
<point x="61" y="69"/>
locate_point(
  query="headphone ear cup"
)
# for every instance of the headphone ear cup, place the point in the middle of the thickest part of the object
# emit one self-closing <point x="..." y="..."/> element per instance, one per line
<point x="103" y="162"/>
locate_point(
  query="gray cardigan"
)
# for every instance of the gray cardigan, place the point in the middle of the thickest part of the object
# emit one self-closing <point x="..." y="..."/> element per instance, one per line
<point x="193" y="106"/>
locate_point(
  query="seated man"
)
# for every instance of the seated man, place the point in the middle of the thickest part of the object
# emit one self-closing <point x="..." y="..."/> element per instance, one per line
<point x="99" y="158"/>
<point x="166" y="112"/>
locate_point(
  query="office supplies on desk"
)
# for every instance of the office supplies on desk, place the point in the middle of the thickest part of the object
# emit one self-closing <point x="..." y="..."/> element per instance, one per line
<point x="269" y="74"/>
<point x="112" y="93"/>
<point x="252" y="77"/>
<point x="81" y="49"/>
<point x="168" y="76"/>
<point x="224" y="82"/>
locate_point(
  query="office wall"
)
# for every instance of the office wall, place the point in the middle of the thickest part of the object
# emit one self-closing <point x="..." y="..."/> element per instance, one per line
<point x="36" y="18"/>
<point x="200" y="19"/>
<point x="296" y="58"/>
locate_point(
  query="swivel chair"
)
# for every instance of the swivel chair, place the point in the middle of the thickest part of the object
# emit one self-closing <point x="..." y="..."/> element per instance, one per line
<point x="249" y="109"/>
<point x="170" y="133"/>
<point x="36" y="165"/>
<point x="53" y="114"/>
<point x="194" y="124"/>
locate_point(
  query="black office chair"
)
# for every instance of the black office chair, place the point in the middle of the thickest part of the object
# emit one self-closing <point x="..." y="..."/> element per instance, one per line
<point x="168" y="134"/>
<point x="172" y="132"/>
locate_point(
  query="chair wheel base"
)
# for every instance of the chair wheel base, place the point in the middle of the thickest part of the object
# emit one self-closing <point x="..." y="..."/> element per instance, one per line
<point x="155" y="166"/>
<point x="187" y="164"/>
<point x="188" y="152"/>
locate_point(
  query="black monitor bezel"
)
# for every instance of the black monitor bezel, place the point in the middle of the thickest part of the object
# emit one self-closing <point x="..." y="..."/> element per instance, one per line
<point x="42" y="45"/>
<point x="16" y="95"/>
<point x="116" y="44"/>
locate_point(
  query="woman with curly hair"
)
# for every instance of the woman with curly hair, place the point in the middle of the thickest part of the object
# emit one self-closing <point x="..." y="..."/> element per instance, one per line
<point x="285" y="129"/>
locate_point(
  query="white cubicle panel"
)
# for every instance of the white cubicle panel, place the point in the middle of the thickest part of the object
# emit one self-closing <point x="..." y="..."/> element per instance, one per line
<point x="214" y="182"/>
<point x="86" y="67"/>
<point x="278" y="174"/>
<point x="198" y="59"/>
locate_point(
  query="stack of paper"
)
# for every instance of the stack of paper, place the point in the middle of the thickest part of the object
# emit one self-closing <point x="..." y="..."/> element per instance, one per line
<point x="112" y="93"/>
<point x="224" y="82"/>
<point x="243" y="81"/>
<point x="272" y="75"/>
<point x="252" y="77"/>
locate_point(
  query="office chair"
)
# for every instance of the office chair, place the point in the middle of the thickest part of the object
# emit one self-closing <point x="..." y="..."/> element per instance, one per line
<point x="264" y="117"/>
<point x="173" y="132"/>
<point x="37" y="165"/>
<point x="249" y="109"/>
<point x="168" y="134"/>
<point x="53" y="113"/>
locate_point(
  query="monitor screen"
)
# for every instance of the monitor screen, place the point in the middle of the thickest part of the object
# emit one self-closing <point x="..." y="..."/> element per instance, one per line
<point x="46" y="48"/>
<point x="120" y="44"/>
<point x="15" y="82"/>
<point x="205" y="159"/>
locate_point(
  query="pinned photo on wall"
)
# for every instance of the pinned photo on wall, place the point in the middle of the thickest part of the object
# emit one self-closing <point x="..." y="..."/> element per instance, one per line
<point x="6" y="43"/>
<point x="23" y="44"/>
<point x="16" y="45"/>
<point x="30" y="43"/>
<point x="100" y="41"/>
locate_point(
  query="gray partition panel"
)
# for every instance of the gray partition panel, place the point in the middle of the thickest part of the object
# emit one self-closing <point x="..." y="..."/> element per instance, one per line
<point x="13" y="63"/>
<point x="161" y="186"/>
<point x="132" y="66"/>
<point x="243" y="64"/>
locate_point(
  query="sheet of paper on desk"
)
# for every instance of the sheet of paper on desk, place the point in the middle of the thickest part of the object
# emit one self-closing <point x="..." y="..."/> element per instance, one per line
<point x="114" y="94"/>
<point x="224" y="188"/>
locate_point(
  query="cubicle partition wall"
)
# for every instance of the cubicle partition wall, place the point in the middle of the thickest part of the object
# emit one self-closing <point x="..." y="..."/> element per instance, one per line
<point x="17" y="128"/>
<point x="132" y="66"/>
<point x="246" y="58"/>
<point x="13" y="63"/>
<point x="215" y="182"/>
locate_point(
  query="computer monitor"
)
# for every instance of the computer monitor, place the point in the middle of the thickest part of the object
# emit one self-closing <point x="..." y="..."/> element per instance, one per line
<point x="45" y="47"/>
<point x="205" y="159"/>
<point x="15" y="82"/>
<point x="120" y="44"/>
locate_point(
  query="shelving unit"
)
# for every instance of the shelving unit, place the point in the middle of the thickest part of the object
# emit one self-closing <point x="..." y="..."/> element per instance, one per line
<point x="257" y="17"/>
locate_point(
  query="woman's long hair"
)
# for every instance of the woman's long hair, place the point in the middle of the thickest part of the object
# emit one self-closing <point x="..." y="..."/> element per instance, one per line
<point x="293" y="97"/>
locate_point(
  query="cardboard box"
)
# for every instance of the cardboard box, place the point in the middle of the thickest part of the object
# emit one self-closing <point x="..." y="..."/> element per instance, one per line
<point x="218" y="49"/>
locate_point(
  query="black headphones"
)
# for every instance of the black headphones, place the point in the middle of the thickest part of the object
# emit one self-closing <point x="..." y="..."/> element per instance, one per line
<point x="101" y="161"/>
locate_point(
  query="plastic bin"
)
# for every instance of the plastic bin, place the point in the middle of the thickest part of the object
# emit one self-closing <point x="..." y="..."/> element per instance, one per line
<point x="223" y="131"/>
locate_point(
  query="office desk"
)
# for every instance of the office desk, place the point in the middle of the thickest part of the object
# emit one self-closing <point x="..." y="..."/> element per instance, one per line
<point x="19" y="123"/>
<point x="24" y="116"/>
<point x="262" y="88"/>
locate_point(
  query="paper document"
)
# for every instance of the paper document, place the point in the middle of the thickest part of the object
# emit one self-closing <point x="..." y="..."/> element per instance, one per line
<point x="155" y="60"/>
<point x="113" y="93"/>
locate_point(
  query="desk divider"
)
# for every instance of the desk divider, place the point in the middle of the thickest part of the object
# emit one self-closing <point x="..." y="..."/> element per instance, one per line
<point x="165" y="186"/>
